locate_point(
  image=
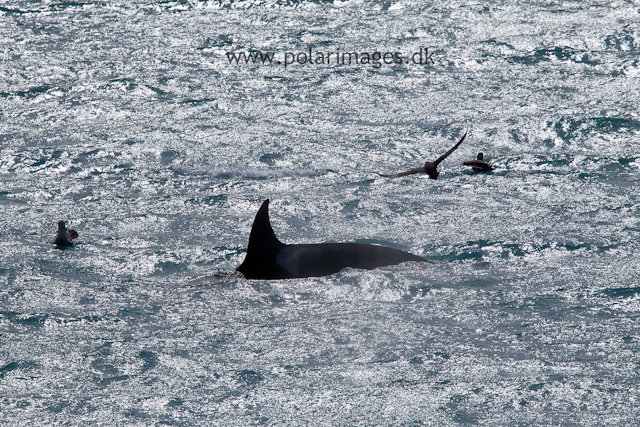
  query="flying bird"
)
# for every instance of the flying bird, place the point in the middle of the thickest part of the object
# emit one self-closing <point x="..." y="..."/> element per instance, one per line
<point x="430" y="168"/>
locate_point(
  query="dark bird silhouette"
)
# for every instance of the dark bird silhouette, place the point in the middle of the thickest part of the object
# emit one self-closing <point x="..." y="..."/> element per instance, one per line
<point x="430" y="168"/>
<point x="64" y="237"/>
<point x="479" y="165"/>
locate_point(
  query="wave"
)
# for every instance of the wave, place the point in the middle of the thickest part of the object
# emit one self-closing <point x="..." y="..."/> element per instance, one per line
<point x="480" y="250"/>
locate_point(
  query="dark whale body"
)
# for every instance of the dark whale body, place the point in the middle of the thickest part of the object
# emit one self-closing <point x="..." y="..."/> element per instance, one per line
<point x="268" y="258"/>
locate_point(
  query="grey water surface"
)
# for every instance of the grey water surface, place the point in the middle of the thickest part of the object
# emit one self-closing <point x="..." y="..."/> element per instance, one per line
<point x="126" y="119"/>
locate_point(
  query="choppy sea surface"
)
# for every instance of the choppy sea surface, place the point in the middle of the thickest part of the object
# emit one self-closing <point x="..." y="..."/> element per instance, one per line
<point x="126" y="119"/>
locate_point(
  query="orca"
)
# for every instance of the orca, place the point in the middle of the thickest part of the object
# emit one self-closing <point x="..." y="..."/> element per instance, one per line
<point x="430" y="168"/>
<point x="479" y="165"/>
<point x="268" y="258"/>
<point x="64" y="237"/>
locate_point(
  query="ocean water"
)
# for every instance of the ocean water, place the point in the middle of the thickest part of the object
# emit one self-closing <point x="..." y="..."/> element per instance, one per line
<point x="127" y="119"/>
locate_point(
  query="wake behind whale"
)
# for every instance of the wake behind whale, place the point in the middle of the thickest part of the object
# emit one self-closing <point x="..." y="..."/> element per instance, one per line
<point x="268" y="258"/>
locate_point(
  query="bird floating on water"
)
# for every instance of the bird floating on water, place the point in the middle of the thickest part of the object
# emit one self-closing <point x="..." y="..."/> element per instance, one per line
<point x="479" y="165"/>
<point x="64" y="236"/>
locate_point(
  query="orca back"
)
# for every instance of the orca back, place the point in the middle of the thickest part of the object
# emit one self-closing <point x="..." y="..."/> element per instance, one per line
<point x="322" y="259"/>
<point x="268" y="258"/>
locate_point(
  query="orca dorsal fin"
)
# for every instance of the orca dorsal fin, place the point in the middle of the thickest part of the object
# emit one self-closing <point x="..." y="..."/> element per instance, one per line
<point x="262" y="237"/>
<point x="263" y="249"/>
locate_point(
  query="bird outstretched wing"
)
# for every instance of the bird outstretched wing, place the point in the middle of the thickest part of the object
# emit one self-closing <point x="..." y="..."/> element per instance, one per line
<point x="445" y="155"/>
<point x="72" y="234"/>
<point x="409" y="172"/>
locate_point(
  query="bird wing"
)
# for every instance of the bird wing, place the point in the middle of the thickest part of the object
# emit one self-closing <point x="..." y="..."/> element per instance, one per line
<point x="409" y="172"/>
<point x="445" y="155"/>
<point x="72" y="234"/>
